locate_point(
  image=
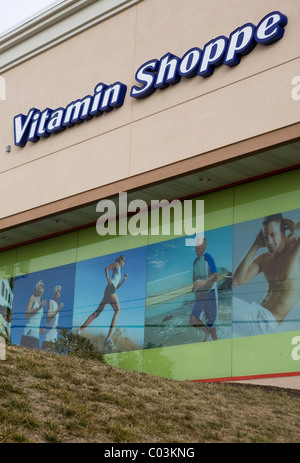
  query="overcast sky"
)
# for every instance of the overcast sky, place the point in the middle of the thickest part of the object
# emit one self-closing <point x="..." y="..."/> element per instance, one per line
<point x="13" y="12"/>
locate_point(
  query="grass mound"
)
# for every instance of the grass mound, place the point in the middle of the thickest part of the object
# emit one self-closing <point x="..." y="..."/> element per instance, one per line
<point x="51" y="398"/>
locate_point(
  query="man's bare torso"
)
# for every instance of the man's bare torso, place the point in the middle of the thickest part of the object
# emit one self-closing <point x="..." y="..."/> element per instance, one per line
<point x="282" y="272"/>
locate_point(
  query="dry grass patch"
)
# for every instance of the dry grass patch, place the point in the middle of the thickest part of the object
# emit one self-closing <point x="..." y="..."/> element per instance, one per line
<point x="50" y="398"/>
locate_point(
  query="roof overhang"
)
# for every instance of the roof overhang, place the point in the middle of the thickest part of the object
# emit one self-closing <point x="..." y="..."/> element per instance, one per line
<point x="194" y="180"/>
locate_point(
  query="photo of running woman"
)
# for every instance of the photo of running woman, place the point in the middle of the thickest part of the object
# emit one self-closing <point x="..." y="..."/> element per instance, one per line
<point x="110" y="297"/>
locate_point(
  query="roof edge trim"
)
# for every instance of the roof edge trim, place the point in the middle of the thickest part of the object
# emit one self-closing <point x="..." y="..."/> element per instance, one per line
<point x="54" y="26"/>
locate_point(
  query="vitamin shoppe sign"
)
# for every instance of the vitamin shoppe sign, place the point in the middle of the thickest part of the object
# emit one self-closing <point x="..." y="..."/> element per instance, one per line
<point x="152" y="75"/>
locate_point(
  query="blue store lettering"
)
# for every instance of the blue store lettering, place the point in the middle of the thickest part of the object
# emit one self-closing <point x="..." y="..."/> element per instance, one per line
<point x="152" y="75"/>
<point x="222" y="50"/>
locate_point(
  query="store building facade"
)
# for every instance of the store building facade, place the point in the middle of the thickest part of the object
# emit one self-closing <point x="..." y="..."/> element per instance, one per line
<point x="110" y="106"/>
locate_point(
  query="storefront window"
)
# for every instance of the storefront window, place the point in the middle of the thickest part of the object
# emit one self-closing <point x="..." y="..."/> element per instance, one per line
<point x="154" y="304"/>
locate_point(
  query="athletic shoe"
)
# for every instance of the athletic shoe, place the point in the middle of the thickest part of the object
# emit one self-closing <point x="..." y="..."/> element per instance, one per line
<point x="109" y="345"/>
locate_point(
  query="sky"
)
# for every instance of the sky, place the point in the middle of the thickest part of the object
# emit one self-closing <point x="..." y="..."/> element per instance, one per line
<point x="13" y="12"/>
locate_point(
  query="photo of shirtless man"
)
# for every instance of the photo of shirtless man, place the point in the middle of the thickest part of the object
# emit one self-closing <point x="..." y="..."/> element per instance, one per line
<point x="280" y="265"/>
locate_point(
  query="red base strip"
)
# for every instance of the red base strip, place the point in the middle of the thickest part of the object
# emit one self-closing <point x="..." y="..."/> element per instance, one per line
<point x="243" y="378"/>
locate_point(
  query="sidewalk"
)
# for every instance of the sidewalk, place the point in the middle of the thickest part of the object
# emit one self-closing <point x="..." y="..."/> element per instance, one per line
<point x="288" y="382"/>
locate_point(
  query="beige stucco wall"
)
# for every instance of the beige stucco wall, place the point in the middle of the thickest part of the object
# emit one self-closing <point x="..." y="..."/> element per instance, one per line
<point x="195" y="116"/>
